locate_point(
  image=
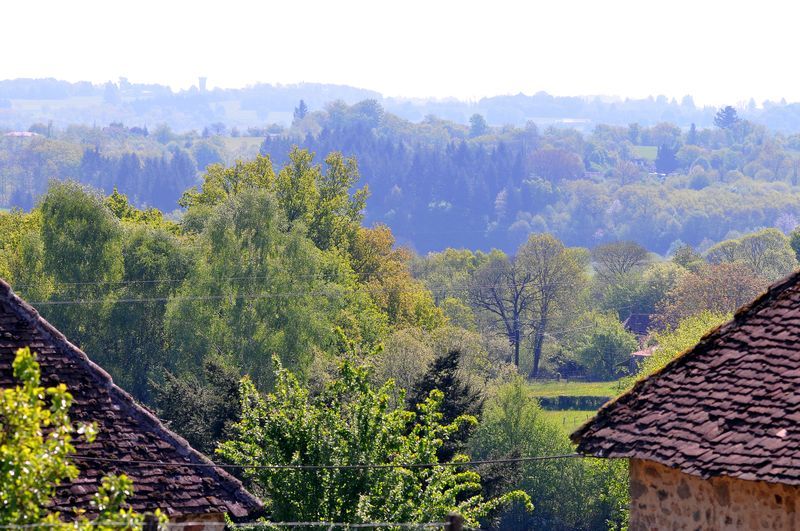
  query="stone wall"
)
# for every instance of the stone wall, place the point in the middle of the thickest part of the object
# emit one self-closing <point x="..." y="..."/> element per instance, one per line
<point x="198" y="522"/>
<point x="664" y="498"/>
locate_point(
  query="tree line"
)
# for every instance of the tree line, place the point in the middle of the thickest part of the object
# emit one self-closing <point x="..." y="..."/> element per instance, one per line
<point x="439" y="183"/>
<point x="272" y="275"/>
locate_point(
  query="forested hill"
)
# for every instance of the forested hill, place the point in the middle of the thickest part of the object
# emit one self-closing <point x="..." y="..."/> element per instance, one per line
<point x="438" y="183"/>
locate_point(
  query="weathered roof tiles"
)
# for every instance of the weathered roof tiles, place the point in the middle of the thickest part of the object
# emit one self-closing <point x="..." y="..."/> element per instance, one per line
<point x="729" y="406"/>
<point x="127" y="432"/>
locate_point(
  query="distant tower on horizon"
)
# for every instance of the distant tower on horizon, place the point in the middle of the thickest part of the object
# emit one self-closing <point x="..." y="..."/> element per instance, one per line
<point x="202" y="83"/>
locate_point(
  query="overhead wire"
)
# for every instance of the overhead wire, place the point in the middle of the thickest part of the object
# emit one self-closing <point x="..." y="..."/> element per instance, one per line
<point x="356" y="466"/>
<point x="443" y="270"/>
<point x="252" y="525"/>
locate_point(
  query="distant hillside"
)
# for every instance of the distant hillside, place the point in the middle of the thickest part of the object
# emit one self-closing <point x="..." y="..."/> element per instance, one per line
<point x="27" y="101"/>
<point x="438" y="183"/>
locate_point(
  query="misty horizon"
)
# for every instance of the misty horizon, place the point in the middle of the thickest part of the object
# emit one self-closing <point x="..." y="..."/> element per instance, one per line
<point x="751" y="101"/>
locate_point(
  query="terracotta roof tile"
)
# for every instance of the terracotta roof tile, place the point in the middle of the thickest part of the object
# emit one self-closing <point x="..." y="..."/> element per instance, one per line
<point x="729" y="406"/>
<point x="126" y="431"/>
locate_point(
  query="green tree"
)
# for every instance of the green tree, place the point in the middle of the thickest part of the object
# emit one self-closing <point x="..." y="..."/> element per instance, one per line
<point x="34" y="464"/>
<point x="458" y="399"/>
<point x="666" y="159"/>
<point x="477" y="125"/>
<point x="319" y="201"/>
<point x="201" y="408"/>
<point x="503" y="289"/>
<point x="686" y="257"/>
<point x="35" y="445"/>
<point x="605" y="350"/>
<point x="82" y="249"/>
<point x="641" y="291"/>
<point x="768" y="253"/>
<point x="615" y="261"/>
<point x="559" y="281"/>
<point x="794" y="242"/>
<point x="154" y="261"/>
<point x="556" y="165"/>
<point x="337" y="214"/>
<point x="691" y="136"/>
<point x="300" y="111"/>
<point x="405" y="357"/>
<point x="719" y="288"/>
<point x="726" y="117"/>
<point x="384" y="272"/>
<point x="673" y="341"/>
<point x="220" y="182"/>
<point x="22" y="254"/>
<point x="349" y="422"/>
<point x="567" y="493"/>
<point x="259" y="288"/>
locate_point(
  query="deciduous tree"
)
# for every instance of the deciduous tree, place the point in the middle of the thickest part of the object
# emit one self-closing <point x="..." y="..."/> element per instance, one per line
<point x="352" y="423"/>
<point x="719" y="288"/>
<point x="504" y="289"/>
<point x="614" y="261"/>
<point x="558" y="280"/>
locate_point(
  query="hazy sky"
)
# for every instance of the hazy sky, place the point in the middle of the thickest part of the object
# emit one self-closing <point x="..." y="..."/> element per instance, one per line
<point x="718" y="51"/>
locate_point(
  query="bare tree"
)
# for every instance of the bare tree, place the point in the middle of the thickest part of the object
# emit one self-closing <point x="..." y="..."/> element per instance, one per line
<point x="502" y="288"/>
<point x="558" y="280"/>
<point x="613" y="261"/>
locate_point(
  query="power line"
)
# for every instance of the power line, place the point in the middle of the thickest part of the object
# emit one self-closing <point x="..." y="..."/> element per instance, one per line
<point x="411" y="525"/>
<point x="186" y="298"/>
<point x="444" y="270"/>
<point x="155" y="464"/>
<point x="298" y="293"/>
<point x="253" y="525"/>
<point x="262" y="296"/>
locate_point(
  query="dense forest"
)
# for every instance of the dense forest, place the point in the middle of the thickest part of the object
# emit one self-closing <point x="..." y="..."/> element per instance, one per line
<point x="461" y="291"/>
<point x="271" y="271"/>
<point x="438" y="183"/>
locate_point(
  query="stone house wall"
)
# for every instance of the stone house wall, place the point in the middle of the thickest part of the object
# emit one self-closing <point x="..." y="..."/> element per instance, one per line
<point x="664" y="498"/>
<point x="200" y="522"/>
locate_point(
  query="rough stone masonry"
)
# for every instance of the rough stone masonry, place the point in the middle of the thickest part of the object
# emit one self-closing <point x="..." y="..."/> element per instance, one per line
<point x="665" y="498"/>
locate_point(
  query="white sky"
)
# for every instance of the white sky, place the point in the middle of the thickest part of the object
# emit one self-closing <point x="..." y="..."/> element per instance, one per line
<point x="718" y="51"/>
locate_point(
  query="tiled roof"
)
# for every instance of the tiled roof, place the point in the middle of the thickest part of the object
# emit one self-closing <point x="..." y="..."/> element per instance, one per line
<point x="126" y="431"/>
<point x="729" y="406"/>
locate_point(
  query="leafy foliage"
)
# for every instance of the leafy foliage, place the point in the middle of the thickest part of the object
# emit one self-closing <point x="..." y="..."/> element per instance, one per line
<point x="671" y="342"/>
<point x="767" y="253"/>
<point x="35" y="445"/>
<point x="605" y="351"/>
<point x="203" y="409"/>
<point x="720" y="288"/>
<point x="458" y="398"/>
<point x="567" y="493"/>
<point x="351" y="423"/>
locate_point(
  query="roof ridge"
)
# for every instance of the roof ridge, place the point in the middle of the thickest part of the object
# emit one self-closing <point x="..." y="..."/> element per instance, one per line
<point x="27" y="312"/>
<point x="741" y="314"/>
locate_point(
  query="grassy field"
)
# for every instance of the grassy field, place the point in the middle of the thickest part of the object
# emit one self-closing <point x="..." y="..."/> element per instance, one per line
<point x="552" y="388"/>
<point x="569" y="419"/>
<point x="646" y="152"/>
